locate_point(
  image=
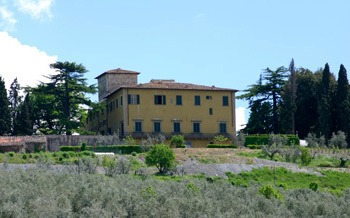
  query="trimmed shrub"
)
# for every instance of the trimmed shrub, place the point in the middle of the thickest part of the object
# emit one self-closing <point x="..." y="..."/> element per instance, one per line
<point x="254" y="146"/>
<point x="123" y="149"/>
<point x="264" y="139"/>
<point x="221" y="146"/>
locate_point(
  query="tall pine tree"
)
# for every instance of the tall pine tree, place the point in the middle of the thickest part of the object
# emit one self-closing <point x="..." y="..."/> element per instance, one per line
<point x="5" y="116"/>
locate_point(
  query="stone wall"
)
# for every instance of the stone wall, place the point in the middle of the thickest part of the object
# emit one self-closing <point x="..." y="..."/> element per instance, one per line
<point x="53" y="142"/>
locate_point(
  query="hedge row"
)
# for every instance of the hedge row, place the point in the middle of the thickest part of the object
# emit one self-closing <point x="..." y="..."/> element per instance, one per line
<point x="221" y="146"/>
<point x="123" y="149"/>
<point x="264" y="139"/>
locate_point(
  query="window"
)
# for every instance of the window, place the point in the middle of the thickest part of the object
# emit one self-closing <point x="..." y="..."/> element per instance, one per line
<point x="133" y="99"/>
<point x="138" y="126"/>
<point x="160" y="100"/>
<point x="121" y="100"/>
<point x="116" y="103"/>
<point x="196" y="127"/>
<point x="210" y="111"/>
<point x="178" y="100"/>
<point x="156" y="126"/>
<point x="110" y="106"/>
<point x="177" y="127"/>
<point x="222" y="127"/>
<point x="225" y="100"/>
<point x="208" y="97"/>
<point x="197" y="100"/>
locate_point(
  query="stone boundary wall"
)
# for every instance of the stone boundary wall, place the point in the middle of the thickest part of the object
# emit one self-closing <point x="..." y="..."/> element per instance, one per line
<point x="53" y="142"/>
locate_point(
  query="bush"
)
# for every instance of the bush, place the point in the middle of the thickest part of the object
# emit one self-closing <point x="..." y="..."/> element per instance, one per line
<point x="313" y="186"/>
<point x="220" y="139"/>
<point x="221" y="146"/>
<point x="268" y="191"/>
<point x="305" y="157"/>
<point x="264" y="139"/>
<point x="161" y="156"/>
<point x="11" y="153"/>
<point x="24" y="157"/>
<point x="178" y="141"/>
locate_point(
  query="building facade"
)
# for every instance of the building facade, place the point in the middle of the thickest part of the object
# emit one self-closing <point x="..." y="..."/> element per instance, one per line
<point x="162" y="107"/>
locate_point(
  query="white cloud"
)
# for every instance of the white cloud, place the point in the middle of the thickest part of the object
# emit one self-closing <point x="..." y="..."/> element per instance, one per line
<point x="240" y="118"/>
<point x="27" y="63"/>
<point x="7" y="20"/>
<point x="38" y="9"/>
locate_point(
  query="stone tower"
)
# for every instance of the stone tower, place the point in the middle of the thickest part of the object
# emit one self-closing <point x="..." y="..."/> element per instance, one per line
<point x="112" y="80"/>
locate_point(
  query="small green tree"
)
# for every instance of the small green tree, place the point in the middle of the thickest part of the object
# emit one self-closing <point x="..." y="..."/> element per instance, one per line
<point x="161" y="156"/>
<point x="178" y="141"/>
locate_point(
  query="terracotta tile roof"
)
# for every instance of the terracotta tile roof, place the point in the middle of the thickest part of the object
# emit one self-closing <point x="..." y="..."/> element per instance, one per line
<point x="171" y="84"/>
<point x="118" y="71"/>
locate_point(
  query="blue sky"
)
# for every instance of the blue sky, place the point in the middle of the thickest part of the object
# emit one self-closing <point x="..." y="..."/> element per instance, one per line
<point x="221" y="43"/>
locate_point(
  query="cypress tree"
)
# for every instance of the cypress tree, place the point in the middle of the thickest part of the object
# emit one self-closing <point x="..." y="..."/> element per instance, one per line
<point x="324" y="105"/>
<point x="15" y="100"/>
<point x="5" y="116"/>
<point x="24" y="118"/>
<point x="342" y="110"/>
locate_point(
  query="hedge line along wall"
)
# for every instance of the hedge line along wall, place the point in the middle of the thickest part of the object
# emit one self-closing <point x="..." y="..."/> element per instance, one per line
<point x="264" y="139"/>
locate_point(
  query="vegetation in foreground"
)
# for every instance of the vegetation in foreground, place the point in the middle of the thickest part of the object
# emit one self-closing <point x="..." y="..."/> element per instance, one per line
<point x="40" y="193"/>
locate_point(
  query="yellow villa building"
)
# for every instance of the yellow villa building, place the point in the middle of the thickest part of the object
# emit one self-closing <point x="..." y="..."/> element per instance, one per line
<point x="162" y="107"/>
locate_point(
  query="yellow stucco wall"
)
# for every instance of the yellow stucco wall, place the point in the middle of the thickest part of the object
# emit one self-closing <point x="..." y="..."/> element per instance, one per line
<point x="187" y="113"/>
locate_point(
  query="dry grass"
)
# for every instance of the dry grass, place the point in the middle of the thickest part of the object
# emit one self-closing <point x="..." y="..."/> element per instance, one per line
<point x="211" y="155"/>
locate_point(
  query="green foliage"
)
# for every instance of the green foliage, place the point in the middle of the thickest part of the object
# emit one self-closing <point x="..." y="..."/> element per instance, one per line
<point x="267" y="91"/>
<point x="24" y="156"/>
<point x="83" y="147"/>
<point x="330" y="181"/>
<point x="161" y="156"/>
<point x="305" y="157"/>
<point x="5" y="115"/>
<point x="252" y="146"/>
<point x="221" y="146"/>
<point x="313" y="186"/>
<point x="268" y="191"/>
<point x="178" y="141"/>
<point x="314" y="142"/>
<point x="84" y="195"/>
<point x="220" y="139"/>
<point x="119" y="149"/>
<point x="129" y="140"/>
<point x="62" y="99"/>
<point x="338" y="140"/>
<point x="264" y="139"/>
